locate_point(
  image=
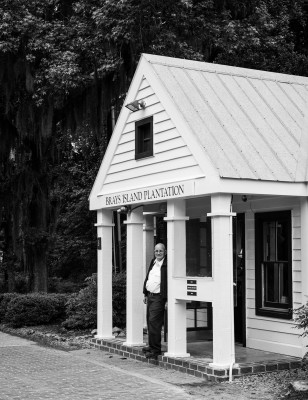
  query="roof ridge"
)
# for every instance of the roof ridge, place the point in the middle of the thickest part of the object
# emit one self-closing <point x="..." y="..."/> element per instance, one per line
<point x="226" y="69"/>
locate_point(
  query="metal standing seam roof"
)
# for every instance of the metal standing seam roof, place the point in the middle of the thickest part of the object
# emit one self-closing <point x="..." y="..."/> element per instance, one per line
<point x="252" y="124"/>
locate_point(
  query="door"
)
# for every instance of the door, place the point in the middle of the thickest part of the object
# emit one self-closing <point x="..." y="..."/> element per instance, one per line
<point x="239" y="279"/>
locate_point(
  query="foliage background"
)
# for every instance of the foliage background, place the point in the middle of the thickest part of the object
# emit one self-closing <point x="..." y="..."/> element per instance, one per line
<point x="65" y="67"/>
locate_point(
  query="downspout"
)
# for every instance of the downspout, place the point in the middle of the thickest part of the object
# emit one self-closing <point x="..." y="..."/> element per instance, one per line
<point x="232" y="336"/>
<point x="232" y="301"/>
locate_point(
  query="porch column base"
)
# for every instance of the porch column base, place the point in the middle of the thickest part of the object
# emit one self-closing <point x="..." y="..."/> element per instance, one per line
<point x="131" y="344"/>
<point x="102" y="337"/>
<point x="222" y="366"/>
<point x="177" y="355"/>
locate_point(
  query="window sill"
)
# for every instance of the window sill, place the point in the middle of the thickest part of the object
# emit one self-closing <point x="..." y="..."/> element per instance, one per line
<point x="142" y="157"/>
<point x="274" y="313"/>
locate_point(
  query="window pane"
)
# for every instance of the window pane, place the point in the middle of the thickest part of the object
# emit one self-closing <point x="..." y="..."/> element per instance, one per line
<point x="144" y="136"/>
<point x="282" y="246"/>
<point x="190" y="318"/>
<point x="269" y="241"/>
<point x="271" y="283"/>
<point x="202" y="318"/>
<point x="275" y="241"/>
<point x="275" y="283"/>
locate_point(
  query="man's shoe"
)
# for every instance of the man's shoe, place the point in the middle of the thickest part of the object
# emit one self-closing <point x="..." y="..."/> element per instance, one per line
<point x="146" y="349"/>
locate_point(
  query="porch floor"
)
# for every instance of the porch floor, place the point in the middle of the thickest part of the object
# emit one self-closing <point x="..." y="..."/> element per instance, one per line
<point x="200" y="348"/>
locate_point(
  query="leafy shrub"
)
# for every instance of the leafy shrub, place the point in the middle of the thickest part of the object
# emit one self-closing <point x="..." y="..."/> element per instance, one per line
<point x="59" y="285"/>
<point x="82" y="307"/>
<point x="35" y="309"/>
<point x="21" y="283"/>
<point x="300" y="316"/>
<point x="5" y="299"/>
<point x="119" y="300"/>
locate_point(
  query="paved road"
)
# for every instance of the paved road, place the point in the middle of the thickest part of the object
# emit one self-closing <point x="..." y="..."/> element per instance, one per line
<point x="32" y="372"/>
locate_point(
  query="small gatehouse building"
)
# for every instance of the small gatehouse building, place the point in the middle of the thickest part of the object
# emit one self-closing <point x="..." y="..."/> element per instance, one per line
<point x="220" y="154"/>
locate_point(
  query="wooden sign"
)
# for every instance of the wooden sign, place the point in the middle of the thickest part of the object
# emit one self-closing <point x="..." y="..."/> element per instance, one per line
<point x="151" y="193"/>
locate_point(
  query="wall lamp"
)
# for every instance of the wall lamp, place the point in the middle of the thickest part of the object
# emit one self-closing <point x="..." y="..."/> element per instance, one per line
<point x="127" y="209"/>
<point x="136" y="105"/>
<point x="124" y="210"/>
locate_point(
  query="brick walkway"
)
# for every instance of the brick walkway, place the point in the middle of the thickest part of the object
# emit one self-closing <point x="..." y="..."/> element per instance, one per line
<point x="32" y="372"/>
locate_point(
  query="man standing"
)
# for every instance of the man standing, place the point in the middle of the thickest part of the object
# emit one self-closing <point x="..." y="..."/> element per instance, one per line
<point x="155" y="296"/>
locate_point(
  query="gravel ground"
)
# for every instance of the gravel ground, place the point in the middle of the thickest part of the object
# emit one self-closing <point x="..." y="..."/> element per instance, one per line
<point x="53" y="336"/>
<point x="274" y="385"/>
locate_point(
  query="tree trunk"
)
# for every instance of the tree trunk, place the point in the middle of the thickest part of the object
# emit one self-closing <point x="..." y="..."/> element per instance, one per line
<point x="40" y="273"/>
<point x="38" y="237"/>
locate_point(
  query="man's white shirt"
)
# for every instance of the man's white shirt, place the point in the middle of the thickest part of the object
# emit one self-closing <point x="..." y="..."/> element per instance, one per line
<point x="153" y="282"/>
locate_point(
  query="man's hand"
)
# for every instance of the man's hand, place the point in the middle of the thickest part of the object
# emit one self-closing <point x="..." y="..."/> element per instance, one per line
<point x="145" y="299"/>
<point x="166" y="305"/>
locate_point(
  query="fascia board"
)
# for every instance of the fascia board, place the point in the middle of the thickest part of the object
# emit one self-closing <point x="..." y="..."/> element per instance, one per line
<point x="253" y="187"/>
<point x="118" y="129"/>
<point x="208" y="187"/>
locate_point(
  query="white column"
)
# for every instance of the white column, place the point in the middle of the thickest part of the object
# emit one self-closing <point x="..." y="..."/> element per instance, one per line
<point x="148" y="247"/>
<point x="304" y="248"/>
<point x="222" y="259"/>
<point x="134" y="276"/>
<point x="104" y="274"/>
<point x="176" y="256"/>
<point x="148" y="241"/>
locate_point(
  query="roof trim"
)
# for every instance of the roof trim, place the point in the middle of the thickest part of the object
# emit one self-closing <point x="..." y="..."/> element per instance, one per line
<point x="225" y="69"/>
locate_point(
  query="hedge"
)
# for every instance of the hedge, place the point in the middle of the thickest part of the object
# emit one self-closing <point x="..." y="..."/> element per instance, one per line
<point x="34" y="309"/>
<point x="74" y="311"/>
<point x="5" y="299"/>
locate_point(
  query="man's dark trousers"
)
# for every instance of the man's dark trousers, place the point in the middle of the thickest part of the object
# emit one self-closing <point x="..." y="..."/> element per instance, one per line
<point x="155" y="320"/>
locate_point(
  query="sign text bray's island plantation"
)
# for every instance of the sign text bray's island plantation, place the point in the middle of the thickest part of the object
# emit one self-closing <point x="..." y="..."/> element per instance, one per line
<point x="151" y="194"/>
<point x="144" y="195"/>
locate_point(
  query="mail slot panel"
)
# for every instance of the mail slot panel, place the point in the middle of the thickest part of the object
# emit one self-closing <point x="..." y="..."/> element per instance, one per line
<point x="194" y="287"/>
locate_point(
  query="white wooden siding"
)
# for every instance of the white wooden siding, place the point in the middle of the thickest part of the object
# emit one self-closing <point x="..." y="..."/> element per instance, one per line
<point x="264" y="333"/>
<point x="172" y="157"/>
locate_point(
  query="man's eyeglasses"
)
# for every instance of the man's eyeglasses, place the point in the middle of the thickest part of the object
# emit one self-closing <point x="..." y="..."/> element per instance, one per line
<point x="159" y="251"/>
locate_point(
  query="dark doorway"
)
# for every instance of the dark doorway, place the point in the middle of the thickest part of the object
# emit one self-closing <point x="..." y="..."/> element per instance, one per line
<point x="160" y="232"/>
<point x="239" y="279"/>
